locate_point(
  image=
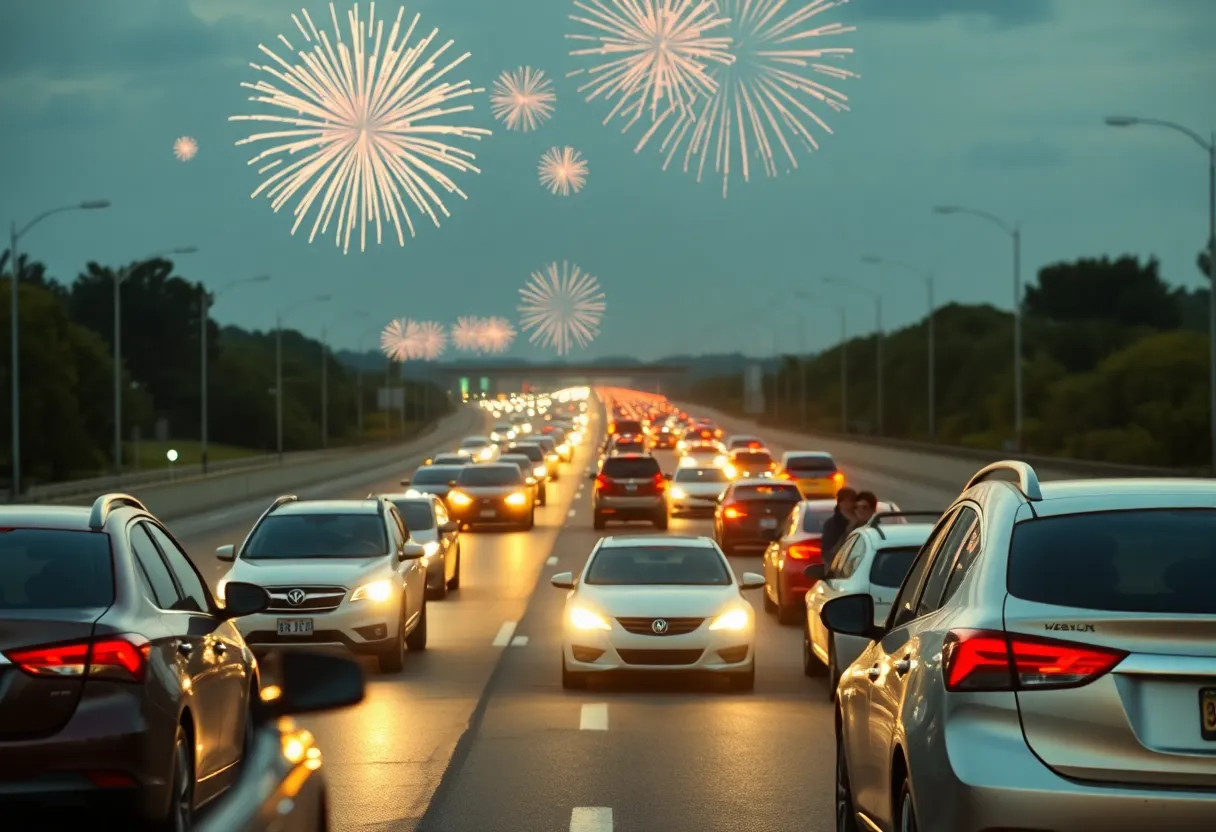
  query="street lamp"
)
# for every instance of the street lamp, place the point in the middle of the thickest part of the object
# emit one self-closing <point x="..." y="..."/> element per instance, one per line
<point x="205" y="305"/>
<point x="15" y="235"/>
<point x="878" y="338"/>
<point x="1210" y="146"/>
<point x="1015" y="233"/>
<point x="844" y="366"/>
<point x="928" y="278"/>
<point x="325" y="375"/>
<point x="278" y="365"/>
<point x="120" y="276"/>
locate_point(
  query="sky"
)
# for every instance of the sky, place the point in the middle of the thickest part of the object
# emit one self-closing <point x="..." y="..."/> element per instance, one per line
<point x="996" y="105"/>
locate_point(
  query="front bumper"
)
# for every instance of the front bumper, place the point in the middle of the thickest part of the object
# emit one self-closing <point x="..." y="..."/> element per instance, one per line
<point x="363" y="627"/>
<point x="495" y="511"/>
<point x="601" y="651"/>
<point x="693" y="505"/>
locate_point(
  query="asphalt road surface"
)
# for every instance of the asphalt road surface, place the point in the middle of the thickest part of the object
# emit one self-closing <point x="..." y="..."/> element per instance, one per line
<point x="477" y="735"/>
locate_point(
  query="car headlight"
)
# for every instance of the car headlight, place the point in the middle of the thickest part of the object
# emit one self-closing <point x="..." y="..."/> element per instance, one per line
<point x="563" y="448"/>
<point x="687" y="462"/>
<point x="581" y="618"/>
<point x="540" y="471"/>
<point x="731" y="471"/>
<point x="495" y="436"/>
<point x="459" y="498"/>
<point x="220" y="587"/>
<point x="430" y="548"/>
<point x="551" y="457"/>
<point x="511" y="434"/>
<point x="517" y="499"/>
<point x="720" y="461"/>
<point x="378" y="591"/>
<point x="736" y="619"/>
<point x="678" y="493"/>
<point x="486" y="453"/>
<point x="576" y="438"/>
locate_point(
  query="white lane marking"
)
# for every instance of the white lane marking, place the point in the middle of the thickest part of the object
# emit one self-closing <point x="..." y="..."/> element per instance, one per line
<point x="594" y="717"/>
<point x="551" y="561"/>
<point x="570" y="513"/>
<point x="504" y="634"/>
<point x="519" y="641"/>
<point x="591" y="819"/>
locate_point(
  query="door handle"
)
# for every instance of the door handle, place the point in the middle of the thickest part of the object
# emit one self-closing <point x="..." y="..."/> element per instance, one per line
<point x="902" y="666"/>
<point x="185" y="647"/>
<point x="873" y="673"/>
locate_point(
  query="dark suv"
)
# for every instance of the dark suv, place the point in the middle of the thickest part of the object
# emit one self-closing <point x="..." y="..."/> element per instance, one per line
<point x="630" y="487"/>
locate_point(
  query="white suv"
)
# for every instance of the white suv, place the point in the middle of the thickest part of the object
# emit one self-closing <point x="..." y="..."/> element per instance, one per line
<point x="339" y="573"/>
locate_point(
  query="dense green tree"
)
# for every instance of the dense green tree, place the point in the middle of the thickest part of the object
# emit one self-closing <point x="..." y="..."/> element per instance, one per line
<point x="1121" y="291"/>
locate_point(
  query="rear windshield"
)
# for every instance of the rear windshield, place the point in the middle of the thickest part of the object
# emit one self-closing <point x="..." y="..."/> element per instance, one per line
<point x="768" y="492"/>
<point x="814" y="518"/>
<point x="634" y="468"/>
<point x="475" y="442"/>
<point x="317" y="536"/>
<point x="631" y="442"/>
<point x="436" y="474"/>
<point x="743" y="441"/>
<point x="701" y="475"/>
<point x="532" y="452"/>
<point x="891" y="565"/>
<point x="450" y="459"/>
<point x="519" y="461"/>
<point x="546" y="442"/>
<point x="752" y="458"/>
<point x="1145" y="560"/>
<point x="417" y="515"/>
<point x="664" y="565"/>
<point x="812" y="464"/>
<point x="476" y="475"/>
<point x="54" y="569"/>
<point x="628" y="427"/>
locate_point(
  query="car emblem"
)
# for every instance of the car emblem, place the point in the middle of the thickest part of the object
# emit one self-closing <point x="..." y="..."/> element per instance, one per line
<point x="659" y="626"/>
<point x="296" y="597"/>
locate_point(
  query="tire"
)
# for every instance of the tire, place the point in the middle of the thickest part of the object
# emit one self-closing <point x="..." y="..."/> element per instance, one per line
<point x="787" y="614"/>
<point x="440" y="592"/>
<point x="744" y="682"/>
<point x="455" y="582"/>
<point x="543" y="497"/>
<point x="598" y="522"/>
<point x="832" y="670"/>
<point x="770" y="606"/>
<point x="811" y="666"/>
<point x="416" y="640"/>
<point x="530" y="522"/>
<point x="905" y="808"/>
<point x="572" y="679"/>
<point x="846" y="812"/>
<point x="180" y="816"/>
<point x="392" y="658"/>
<point x="660" y="522"/>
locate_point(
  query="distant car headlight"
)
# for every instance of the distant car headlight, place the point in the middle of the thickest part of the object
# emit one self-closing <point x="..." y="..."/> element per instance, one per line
<point x="459" y="498"/>
<point x="511" y="434"/>
<point x="495" y="436"/>
<point x="581" y="618"/>
<point x="731" y="471"/>
<point x="552" y="457"/>
<point x="378" y="591"/>
<point x="736" y="619"/>
<point x="678" y="493"/>
<point x="720" y="461"/>
<point x="517" y="499"/>
<point x="430" y="548"/>
<point x="486" y="453"/>
<point x="539" y="471"/>
<point x="687" y="462"/>
<point x="563" y="448"/>
<point x="576" y="438"/>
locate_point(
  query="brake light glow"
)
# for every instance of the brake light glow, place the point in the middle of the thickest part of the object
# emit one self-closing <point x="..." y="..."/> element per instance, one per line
<point x="122" y="659"/>
<point x="660" y="481"/>
<point x="732" y="513"/>
<point x="838" y="479"/>
<point x="985" y="660"/>
<point x="602" y="482"/>
<point x="811" y="550"/>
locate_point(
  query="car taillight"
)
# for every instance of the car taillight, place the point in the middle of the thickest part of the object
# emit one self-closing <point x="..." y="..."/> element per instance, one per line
<point x="602" y="482"/>
<point x="805" y="551"/>
<point x="660" y="481"/>
<point x="784" y="475"/>
<point x="122" y="659"/>
<point x="838" y="479"/>
<point x="732" y="513"/>
<point x="987" y="660"/>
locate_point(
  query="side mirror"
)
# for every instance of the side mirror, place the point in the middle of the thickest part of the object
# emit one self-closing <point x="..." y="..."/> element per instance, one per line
<point x="563" y="580"/>
<point x="751" y="580"/>
<point x="242" y="599"/>
<point x="300" y="683"/>
<point x="406" y="481"/>
<point x="412" y="551"/>
<point x="816" y="572"/>
<point x="851" y="615"/>
<point x="226" y="553"/>
<point x="449" y="527"/>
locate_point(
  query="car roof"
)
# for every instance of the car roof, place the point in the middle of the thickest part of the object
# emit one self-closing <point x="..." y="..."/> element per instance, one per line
<point x="365" y="506"/>
<point x="808" y="455"/>
<point x="412" y="497"/>
<point x="46" y="517"/>
<point x="513" y="457"/>
<point x="1058" y="489"/>
<point x="689" y="541"/>
<point x="899" y="534"/>
<point x="484" y="439"/>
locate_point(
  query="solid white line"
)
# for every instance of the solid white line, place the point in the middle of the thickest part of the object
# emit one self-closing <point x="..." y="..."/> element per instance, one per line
<point x="551" y="561"/>
<point x="594" y="717"/>
<point x="591" y="819"/>
<point x="519" y="641"/>
<point x="504" y="634"/>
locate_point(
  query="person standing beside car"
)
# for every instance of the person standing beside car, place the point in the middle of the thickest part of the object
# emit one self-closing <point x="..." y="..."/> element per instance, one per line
<point x="837" y="526"/>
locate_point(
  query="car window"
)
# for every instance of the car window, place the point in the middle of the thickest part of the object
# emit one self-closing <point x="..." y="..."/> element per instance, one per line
<point x="490" y="475"/>
<point x="939" y="573"/>
<point x="780" y="492"/>
<point x="55" y="569"/>
<point x="416" y="514"/>
<point x="658" y="565"/>
<point x="397" y="529"/>
<point x="903" y="610"/>
<point x="532" y="452"/>
<point x="320" y="535"/>
<point x="751" y="458"/>
<point x="187" y="576"/>
<point x="891" y="566"/>
<point x="814" y="518"/>
<point x="857" y="553"/>
<point x="972" y="547"/>
<point x="436" y="474"/>
<point x="811" y="466"/>
<point x="154" y="567"/>
<point x="836" y="569"/>
<point x="714" y="475"/>
<point x="631" y="468"/>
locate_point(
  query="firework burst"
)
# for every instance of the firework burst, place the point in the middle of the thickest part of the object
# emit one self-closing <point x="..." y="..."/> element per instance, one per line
<point x="397" y="340"/>
<point x="563" y="170"/>
<point x="497" y="335"/>
<point x="467" y="334"/>
<point x="654" y="51"/>
<point x="185" y="149"/>
<point x="428" y="340"/>
<point x="562" y="307"/>
<point x="523" y="99"/>
<point x="362" y="131"/>
<point x="762" y="107"/>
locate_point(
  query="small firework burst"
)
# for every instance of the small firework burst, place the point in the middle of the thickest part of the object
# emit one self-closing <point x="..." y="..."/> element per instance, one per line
<point x="467" y="334"/>
<point x="523" y="99"/>
<point x="563" y="307"/>
<point x="398" y="339"/>
<point x="497" y="335"/>
<point x="185" y="149"/>
<point x="428" y="340"/>
<point x="563" y="170"/>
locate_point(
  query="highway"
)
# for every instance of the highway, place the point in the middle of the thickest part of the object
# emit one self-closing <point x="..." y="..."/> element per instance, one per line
<point x="477" y="733"/>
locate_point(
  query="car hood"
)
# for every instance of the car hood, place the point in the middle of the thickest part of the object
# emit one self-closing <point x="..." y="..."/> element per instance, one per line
<point x="490" y="490"/>
<point x="306" y="571"/>
<point x="657" y="601"/>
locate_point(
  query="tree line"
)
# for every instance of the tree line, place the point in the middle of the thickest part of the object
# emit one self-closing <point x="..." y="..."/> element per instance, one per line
<point x="1115" y="368"/>
<point x="66" y="332"/>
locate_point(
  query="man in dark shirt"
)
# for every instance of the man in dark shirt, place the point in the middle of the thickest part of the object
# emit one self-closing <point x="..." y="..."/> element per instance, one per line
<point x="835" y="527"/>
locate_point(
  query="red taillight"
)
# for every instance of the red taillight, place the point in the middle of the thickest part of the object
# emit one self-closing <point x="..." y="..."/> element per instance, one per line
<point x="805" y="551"/>
<point x="985" y="660"/>
<point x="838" y="479"/>
<point x="602" y="482"/>
<point x="121" y="659"/>
<point x="784" y="475"/>
<point x="660" y="481"/>
<point x="732" y="513"/>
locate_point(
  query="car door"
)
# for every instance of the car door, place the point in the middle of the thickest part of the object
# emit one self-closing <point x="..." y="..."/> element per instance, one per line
<point x="822" y="591"/>
<point x="775" y="552"/>
<point x="447" y="541"/>
<point x="413" y="576"/>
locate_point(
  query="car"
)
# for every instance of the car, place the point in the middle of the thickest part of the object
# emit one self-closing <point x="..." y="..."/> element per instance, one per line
<point x="626" y="443"/>
<point x="698" y="435"/>
<point x="452" y="458"/>
<point x="629" y="487"/>
<point x="873" y="559"/>
<point x="503" y="432"/>
<point x="478" y="449"/>
<point x="753" y="513"/>
<point x="814" y="472"/>
<point x="798" y="547"/>
<point x="340" y="573"/>
<point x="427" y="523"/>
<point x="704" y="456"/>
<point x="658" y="604"/>
<point x="435" y="479"/>
<point x="492" y="493"/>
<point x="696" y="491"/>
<point x="1050" y="639"/>
<point x="541" y="468"/>
<point x="528" y="468"/>
<point x="663" y="439"/>
<point x="552" y="458"/>
<point x="621" y="426"/>
<point x="744" y="441"/>
<point x="125" y="687"/>
<point x="750" y="463"/>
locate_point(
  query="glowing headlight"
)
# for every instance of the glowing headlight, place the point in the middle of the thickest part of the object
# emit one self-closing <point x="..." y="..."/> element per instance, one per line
<point x="526" y="427"/>
<point x="459" y="498"/>
<point x="736" y="619"/>
<point x="720" y="461"/>
<point x="539" y="471"/>
<point x="430" y="548"/>
<point x="678" y="493"/>
<point x="731" y="471"/>
<point x="517" y="499"/>
<point x="584" y="619"/>
<point x="486" y="453"/>
<point x="220" y="587"/>
<point x="551" y="457"/>
<point x="563" y="448"/>
<point x="576" y="438"/>
<point x="511" y="434"/>
<point x="687" y="462"/>
<point x="495" y="436"/>
<point x="378" y="591"/>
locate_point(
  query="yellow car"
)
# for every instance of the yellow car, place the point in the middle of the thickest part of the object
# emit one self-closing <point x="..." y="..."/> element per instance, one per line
<point x="814" y="472"/>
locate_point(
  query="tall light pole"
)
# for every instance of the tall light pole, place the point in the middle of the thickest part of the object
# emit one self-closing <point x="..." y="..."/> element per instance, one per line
<point x="844" y="366"/>
<point x="120" y="277"/>
<point x="15" y="235"/>
<point x="205" y="311"/>
<point x="1210" y="146"/>
<point x="325" y="375"/>
<point x="278" y="365"/>
<point x="877" y="296"/>
<point x="1014" y="231"/>
<point x="928" y="278"/>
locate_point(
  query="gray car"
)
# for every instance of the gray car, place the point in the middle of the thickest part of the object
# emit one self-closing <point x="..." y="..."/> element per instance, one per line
<point x="1049" y="663"/>
<point x="426" y="519"/>
<point x="630" y="487"/>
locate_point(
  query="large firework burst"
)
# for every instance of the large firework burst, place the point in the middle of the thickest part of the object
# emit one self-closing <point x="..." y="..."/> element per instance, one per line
<point x="185" y="149"/>
<point x="523" y="99"/>
<point x="365" y="134"/>
<point x="497" y="335"/>
<point x="562" y="306"/>
<point x="467" y="333"/>
<point x="563" y="170"/>
<point x="654" y="51"/>
<point x="397" y="339"/>
<point x="428" y="340"/>
<point x="762" y="107"/>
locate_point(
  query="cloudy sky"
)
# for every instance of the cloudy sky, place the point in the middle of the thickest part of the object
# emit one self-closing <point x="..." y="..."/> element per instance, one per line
<point x="994" y="104"/>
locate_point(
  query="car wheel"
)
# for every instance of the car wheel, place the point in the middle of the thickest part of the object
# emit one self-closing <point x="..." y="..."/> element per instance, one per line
<point x="572" y="679"/>
<point x="180" y="817"/>
<point x="846" y="814"/>
<point x="455" y="582"/>
<point x="544" y="496"/>
<point x="392" y="658"/>
<point x="907" y="808"/>
<point x="787" y="614"/>
<point x="833" y="671"/>
<point x="811" y="665"/>
<point x="745" y="681"/>
<point x="439" y="592"/>
<point x="769" y="604"/>
<point x="530" y="522"/>
<point x="660" y="522"/>
<point x="416" y="640"/>
<point x="598" y="522"/>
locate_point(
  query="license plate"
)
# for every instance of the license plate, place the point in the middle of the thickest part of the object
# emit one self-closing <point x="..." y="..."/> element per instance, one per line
<point x="631" y="487"/>
<point x="489" y="512"/>
<point x="295" y="626"/>
<point x="768" y="523"/>
<point x="1207" y="713"/>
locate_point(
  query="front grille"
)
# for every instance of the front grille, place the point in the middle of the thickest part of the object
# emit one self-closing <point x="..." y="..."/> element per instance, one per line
<point x="675" y="626"/>
<point x="316" y="598"/>
<point x="659" y="657"/>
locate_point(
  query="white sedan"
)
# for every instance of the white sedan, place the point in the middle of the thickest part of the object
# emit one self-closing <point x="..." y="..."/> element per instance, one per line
<point x="658" y="604"/>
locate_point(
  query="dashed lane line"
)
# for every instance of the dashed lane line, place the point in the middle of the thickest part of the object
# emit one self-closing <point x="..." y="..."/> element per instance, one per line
<point x="504" y="634"/>
<point x="594" y="717"/>
<point x="591" y="819"/>
<point x="519" y="641"/>
<point x="551" y="561"/>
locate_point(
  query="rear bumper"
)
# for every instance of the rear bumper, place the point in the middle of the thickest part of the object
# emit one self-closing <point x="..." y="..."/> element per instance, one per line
<point x="624" y="508"/>
<point x="748" y="536"/>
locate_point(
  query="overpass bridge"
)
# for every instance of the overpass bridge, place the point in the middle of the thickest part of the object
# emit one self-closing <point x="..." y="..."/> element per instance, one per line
<point x="490" y="378"/>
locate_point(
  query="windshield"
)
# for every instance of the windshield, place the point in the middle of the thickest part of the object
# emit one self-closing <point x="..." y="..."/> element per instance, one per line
<point x="45" y="568"/>
<point x="700" y="475"/>
<point x="436" y="474"/>
<point x="319" y="535"/>
<point x="811" y="465"/>
<point x="751" y="458"/>
<point x="417" y="515"/>
<point x="767" y="492"/>
<point x="532" y="452"/>
<point x="658" y="565"/>
<point x="487" y="475"/>
<point x="814" y="518"/>
<point x="630" y="468"/>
